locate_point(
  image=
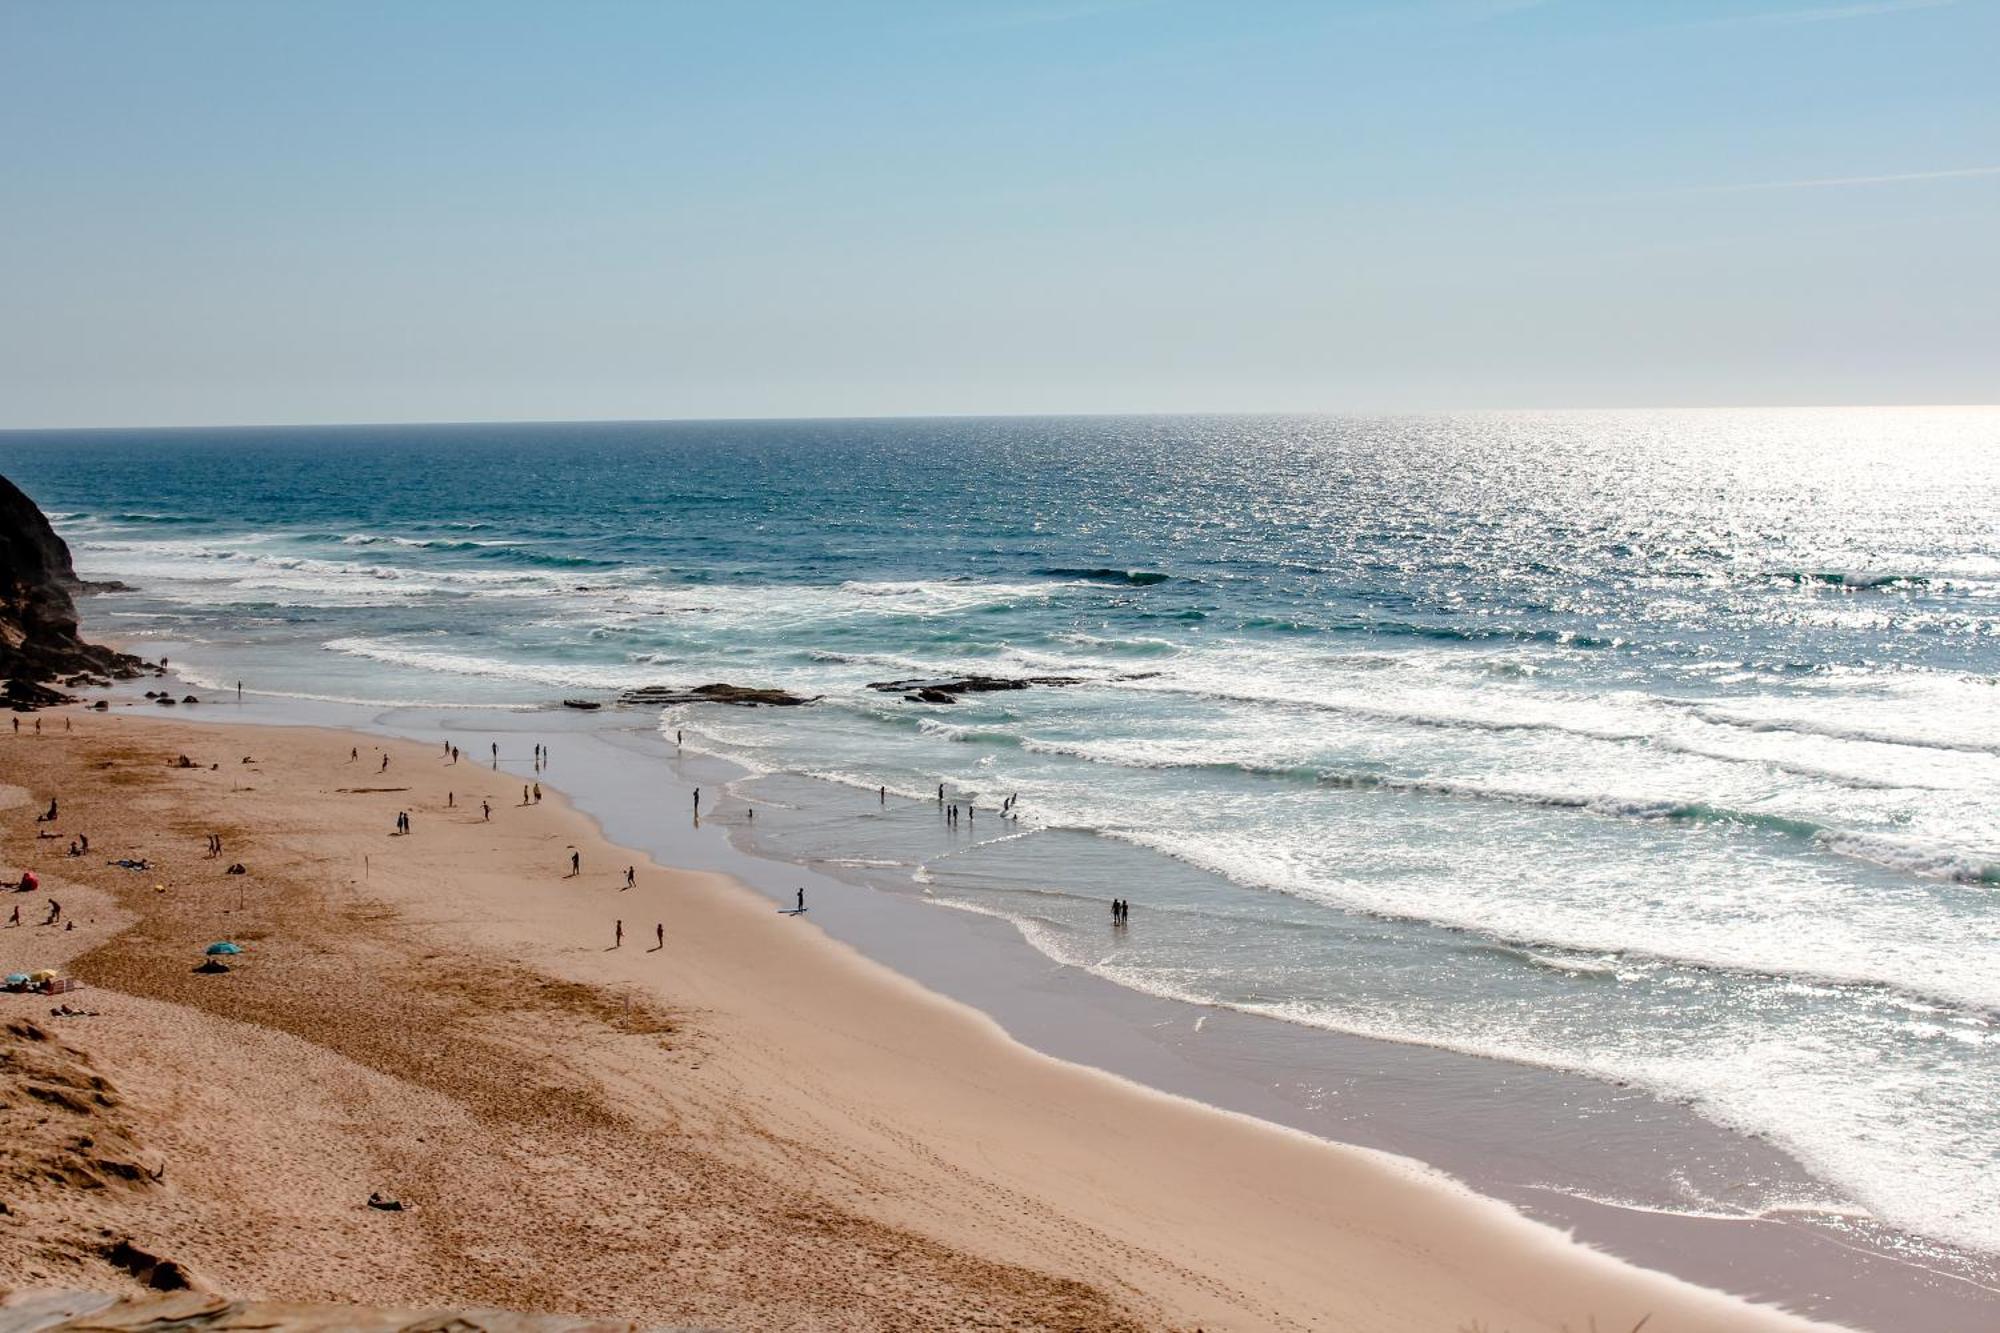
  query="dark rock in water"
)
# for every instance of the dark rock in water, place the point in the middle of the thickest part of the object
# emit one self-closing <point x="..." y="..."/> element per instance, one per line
<point x="946" y="691"/>
<point x="585" y="704"/>
<point x="743" y="695"/>
<point x="165" y="701"/>
<point x="190" y="699"/>
<point x="39" y="641"/>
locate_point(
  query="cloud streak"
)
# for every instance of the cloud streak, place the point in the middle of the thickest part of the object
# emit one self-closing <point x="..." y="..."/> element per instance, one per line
<point x="1841" y="182"/>
<point x="1781" y="18"/>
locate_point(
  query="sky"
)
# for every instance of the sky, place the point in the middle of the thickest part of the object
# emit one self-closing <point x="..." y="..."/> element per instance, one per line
<point x="278" y="211"/>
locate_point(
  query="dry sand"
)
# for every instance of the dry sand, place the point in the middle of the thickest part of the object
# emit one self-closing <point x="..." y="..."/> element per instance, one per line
<point x="752" y="1127"/>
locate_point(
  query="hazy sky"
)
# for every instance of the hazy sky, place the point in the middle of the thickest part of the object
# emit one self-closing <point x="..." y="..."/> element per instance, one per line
<point x="283" y="211"/>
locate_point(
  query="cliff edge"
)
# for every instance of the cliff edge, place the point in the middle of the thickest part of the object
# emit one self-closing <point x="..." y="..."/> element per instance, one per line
<point x="39" y="641"/>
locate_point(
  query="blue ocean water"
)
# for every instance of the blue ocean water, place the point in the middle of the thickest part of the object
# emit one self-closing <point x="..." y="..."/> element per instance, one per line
<point x="1662" y="747"/>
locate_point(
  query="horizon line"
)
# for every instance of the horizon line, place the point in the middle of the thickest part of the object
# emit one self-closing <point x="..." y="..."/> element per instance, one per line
<point x="990" y="416"/>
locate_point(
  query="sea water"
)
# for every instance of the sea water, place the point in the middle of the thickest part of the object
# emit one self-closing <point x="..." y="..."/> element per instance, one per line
<point x="1660" y="747"/>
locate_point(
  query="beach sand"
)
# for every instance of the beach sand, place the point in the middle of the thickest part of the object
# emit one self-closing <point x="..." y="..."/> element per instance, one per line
<point x="751" y="1127"/>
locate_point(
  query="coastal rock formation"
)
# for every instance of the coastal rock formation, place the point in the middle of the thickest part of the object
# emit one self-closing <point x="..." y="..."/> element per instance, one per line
<point x="744" y="695"/>
<point x="946" y="691"/>
<point x="39" y="642"/>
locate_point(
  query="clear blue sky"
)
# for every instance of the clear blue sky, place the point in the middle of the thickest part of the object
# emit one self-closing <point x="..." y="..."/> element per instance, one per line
<point x="285" y="211"/>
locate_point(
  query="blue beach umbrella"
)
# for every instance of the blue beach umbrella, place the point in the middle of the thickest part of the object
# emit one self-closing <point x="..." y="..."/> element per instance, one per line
<point x="222" y="946"/>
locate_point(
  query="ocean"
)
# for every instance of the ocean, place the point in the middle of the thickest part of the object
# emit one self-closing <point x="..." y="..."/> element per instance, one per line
<point x="1658" y="747"/>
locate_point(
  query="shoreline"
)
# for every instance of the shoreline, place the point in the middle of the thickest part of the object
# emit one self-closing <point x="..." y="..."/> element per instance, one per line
<point x="1214" y="1218"/>
<point x="1477" y="1120"/>
<point x="1565" y="1149"/>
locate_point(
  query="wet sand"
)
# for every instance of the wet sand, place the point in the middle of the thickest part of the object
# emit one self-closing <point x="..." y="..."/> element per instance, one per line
<point x="754" y="1125"/>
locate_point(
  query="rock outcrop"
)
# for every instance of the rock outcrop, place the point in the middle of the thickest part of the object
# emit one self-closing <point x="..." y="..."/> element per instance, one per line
<point x="744" y="695"/>
<point x="946" y="691"/>
<point x="39" y="642"/>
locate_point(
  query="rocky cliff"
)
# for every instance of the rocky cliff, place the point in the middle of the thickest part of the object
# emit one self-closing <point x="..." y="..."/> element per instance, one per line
<point x="39" y="642"/>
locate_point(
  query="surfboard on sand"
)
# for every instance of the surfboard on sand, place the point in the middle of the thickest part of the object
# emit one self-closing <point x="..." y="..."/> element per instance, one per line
<point x="791" y="911"/>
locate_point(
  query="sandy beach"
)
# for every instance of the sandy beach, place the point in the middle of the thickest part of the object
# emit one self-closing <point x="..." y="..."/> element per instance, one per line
<point x="748" y="1126"/>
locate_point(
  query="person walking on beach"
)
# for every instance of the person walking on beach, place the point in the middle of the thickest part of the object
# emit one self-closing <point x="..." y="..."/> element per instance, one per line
<point x="451" y="800"/>
<point x="385" y="765"/>
<point x="524" y="793"/>
<point x="618" y="942"/>
<point x="575" y="864"/>
<point x="538" y="793"/>
<point x="697" y="803"/>
<point x="486" y="811"/>
<point x="631" y="876"/>
<point x="496" y="756"/>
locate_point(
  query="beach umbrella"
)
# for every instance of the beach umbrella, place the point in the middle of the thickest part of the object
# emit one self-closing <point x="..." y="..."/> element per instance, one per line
<point x="222" y="946"/>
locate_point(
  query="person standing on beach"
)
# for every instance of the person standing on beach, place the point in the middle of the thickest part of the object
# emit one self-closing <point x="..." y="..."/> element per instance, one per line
<point x="524" y="793"/>
<point x="940" y="793"/>
<point x="697" y="803"/>
<point x="385" y="765"/>
<point x="619" y="941"/>
<point x="882" y="796"/>
<point x="496" y="756"/>
<point x="353" y="754"/>
<point x="575" y="864"/>
<point x="486" y="811"/>
<point x="538" y="793"/>
<point x="15" y="919"/>
<point x="659" y="933"/>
